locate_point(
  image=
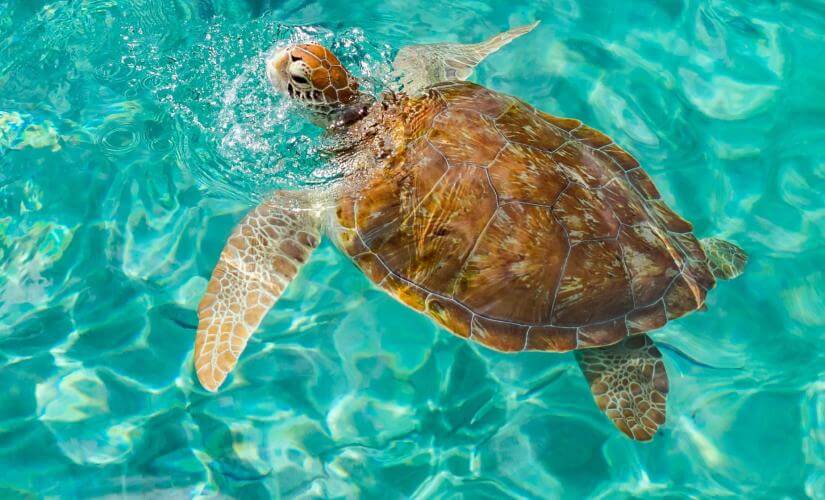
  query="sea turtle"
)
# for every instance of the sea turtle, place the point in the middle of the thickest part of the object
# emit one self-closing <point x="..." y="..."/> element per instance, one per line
<point x="508" y="226"/>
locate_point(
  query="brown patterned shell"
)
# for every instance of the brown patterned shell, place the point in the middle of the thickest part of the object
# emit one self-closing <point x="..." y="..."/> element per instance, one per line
<point x="518" y="229"/>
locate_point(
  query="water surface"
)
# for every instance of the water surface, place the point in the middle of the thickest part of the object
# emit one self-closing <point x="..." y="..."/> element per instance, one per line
<point x="135" y="134"/>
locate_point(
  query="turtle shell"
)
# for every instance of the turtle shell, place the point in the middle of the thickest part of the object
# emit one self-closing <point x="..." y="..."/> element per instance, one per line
<point x="518" y="229"/>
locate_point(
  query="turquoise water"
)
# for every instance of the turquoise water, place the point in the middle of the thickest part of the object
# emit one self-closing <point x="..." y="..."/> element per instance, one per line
<point x="134" y="134"/>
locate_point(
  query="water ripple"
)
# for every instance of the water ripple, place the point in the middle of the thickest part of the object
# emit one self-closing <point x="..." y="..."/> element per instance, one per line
<point x="135" y="134"/>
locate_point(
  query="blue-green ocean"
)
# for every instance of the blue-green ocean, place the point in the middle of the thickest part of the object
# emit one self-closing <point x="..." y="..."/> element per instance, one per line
<point x="134" y="134"/>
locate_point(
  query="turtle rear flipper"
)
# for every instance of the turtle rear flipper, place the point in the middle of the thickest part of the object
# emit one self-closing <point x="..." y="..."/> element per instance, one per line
<point x="629" y="384"/>
<point x="725" y="260"/>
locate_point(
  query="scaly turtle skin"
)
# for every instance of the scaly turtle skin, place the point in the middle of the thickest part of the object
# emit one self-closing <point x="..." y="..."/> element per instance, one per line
<point x="508" y="226"/>
<point x="515" y="228"/>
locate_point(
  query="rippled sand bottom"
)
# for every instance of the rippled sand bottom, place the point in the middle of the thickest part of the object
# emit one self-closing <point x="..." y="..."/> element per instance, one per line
<point x="134" y="135"/>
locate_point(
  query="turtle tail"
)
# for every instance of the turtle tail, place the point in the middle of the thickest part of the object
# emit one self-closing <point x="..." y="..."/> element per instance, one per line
<point x="725" y="259"/>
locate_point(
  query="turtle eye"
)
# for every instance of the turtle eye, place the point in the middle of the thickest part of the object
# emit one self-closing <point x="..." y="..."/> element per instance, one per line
<point x="300" y="79"/>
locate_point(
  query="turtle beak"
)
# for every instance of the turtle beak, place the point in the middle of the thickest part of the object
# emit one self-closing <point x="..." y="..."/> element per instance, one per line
<point x="276" y="70"/>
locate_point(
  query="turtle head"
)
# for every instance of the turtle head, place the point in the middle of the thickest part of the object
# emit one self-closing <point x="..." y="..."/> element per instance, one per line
<point x="311" y="75"/>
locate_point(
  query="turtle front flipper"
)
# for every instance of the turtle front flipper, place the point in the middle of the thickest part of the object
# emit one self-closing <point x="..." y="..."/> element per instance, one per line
<point x="261" y="257"/>
<point x="629" y="384"/>
<point x="419" y="66"/>
<point x="725" y="259"/>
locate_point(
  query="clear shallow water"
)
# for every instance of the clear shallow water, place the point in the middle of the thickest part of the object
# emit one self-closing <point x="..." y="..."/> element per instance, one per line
<point x="133" y="135"/>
